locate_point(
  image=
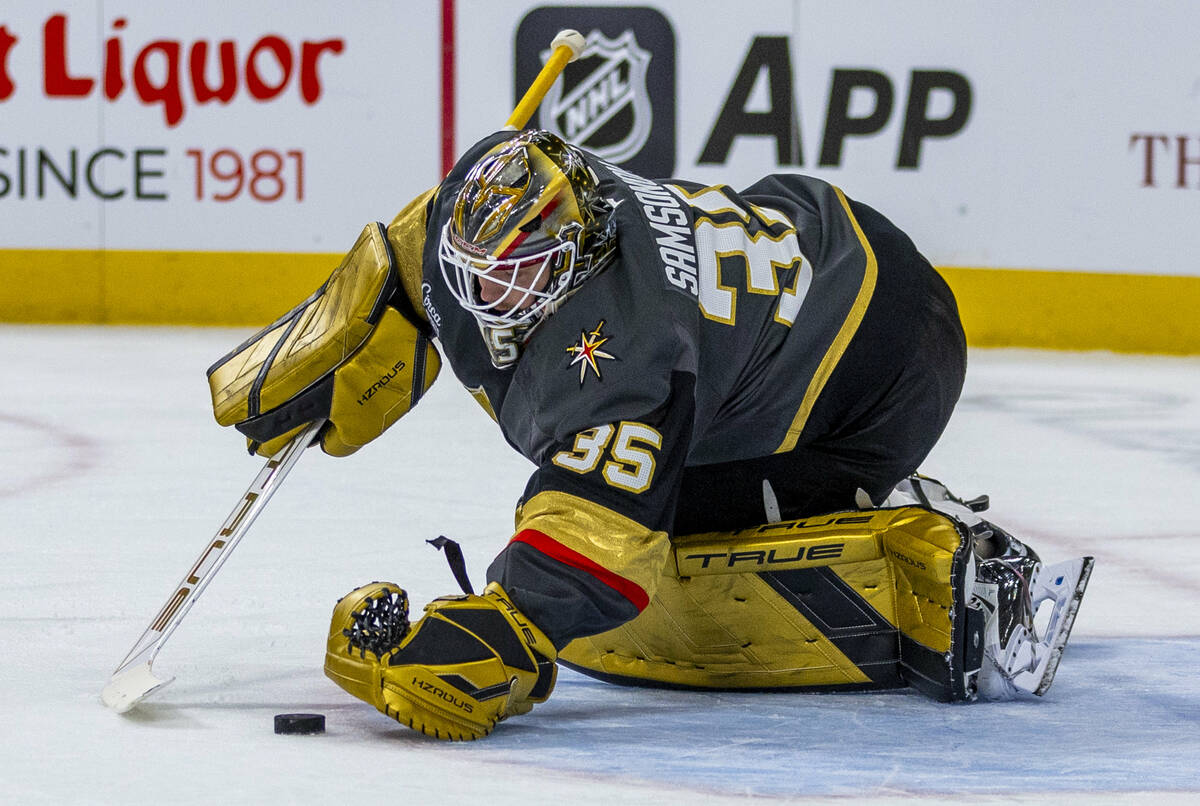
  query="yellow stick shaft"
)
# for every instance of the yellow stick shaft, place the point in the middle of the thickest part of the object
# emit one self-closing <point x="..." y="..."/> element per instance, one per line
<point x="549" y="73"/>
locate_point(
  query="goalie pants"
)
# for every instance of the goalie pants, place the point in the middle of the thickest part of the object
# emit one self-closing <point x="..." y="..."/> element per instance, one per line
<point x="881" y="412"/>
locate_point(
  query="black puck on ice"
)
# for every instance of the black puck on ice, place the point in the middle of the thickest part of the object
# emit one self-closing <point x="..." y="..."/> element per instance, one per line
<point x="299" y="724"/>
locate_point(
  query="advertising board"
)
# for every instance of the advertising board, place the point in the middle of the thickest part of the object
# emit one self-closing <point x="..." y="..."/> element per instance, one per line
<point x="1047" y="159"/>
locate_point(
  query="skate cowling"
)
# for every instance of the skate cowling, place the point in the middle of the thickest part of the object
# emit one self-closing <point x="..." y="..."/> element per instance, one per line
<point x="1026" y="660"/>
<point x="1030" y="608"/>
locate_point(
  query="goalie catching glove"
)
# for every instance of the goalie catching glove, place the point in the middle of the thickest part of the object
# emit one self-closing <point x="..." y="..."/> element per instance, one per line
<point x="356" y="353"/>
<point x="468" y="663"/>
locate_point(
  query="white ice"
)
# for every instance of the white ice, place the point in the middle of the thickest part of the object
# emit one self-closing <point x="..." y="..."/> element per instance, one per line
<point x="113" y="476"/>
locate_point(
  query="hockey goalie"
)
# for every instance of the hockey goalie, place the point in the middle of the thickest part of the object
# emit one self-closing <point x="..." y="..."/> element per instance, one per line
<point x="726" y="394"/>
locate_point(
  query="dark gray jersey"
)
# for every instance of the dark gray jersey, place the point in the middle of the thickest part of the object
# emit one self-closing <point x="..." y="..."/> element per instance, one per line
<point x="709" y="341"/>
<point x="735" y="305"/>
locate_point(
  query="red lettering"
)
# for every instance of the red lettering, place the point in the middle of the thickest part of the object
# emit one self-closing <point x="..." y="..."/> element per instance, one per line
<point x="156" y="72"/>
<point x="267" y="176"/>
<point x="58" y="80"/>
<point x="166" y="93"/>
<point x="310" y="80"/>
<point x="298" y="156"/>
<point x="235" y="174"/>
<point x="114" y="82"/>
<point x="264" y="175"/>
<point x="7" y="40"/>
<point x="283" y="54"/>
<point x="197" y="61"/>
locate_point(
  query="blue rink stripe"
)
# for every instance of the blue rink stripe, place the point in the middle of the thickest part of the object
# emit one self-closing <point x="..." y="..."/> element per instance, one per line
<point x="1123" y="715"/>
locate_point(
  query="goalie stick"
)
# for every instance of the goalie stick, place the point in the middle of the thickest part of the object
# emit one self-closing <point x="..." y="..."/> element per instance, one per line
<point x="134" y="679"/>
<point x="564" y="49"/>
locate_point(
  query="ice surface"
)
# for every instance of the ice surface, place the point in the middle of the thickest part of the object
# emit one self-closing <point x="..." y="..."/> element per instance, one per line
<point x="113" y="476"/>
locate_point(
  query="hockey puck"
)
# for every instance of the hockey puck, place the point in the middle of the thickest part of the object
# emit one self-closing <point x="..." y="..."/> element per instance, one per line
<point x="299" y="724"/>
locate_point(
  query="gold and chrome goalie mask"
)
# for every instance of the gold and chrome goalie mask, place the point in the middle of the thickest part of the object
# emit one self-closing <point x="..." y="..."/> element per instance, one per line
<point x="528" y="227"/>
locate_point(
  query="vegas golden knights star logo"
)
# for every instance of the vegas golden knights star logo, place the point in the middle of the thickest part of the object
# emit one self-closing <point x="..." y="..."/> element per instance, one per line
<point x="602" y="103"/>
<point x="587" y="352"/>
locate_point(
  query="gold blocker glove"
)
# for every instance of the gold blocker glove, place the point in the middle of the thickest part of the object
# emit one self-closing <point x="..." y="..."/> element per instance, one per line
<point x="468" y="663"/>
<point x="356" y="353"/>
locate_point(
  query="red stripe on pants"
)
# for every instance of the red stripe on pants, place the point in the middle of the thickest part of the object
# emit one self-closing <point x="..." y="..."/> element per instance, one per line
<point x="568" y="556"/>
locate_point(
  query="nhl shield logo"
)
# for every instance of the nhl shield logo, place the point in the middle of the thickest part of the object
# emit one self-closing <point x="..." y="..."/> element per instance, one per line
<point x="617" y="100"/>
<point x="602" y="102"/>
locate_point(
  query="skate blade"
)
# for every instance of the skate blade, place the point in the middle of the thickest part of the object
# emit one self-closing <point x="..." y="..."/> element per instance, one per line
<point x="129" y="687"/>
<point x="1063" y="631"/>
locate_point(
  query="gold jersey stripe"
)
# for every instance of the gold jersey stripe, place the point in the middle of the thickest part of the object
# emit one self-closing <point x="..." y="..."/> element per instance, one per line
<point x="849" y="327"/>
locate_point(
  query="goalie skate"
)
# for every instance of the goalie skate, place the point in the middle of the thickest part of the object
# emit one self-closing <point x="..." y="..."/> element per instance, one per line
<point x="1021" y="657"/>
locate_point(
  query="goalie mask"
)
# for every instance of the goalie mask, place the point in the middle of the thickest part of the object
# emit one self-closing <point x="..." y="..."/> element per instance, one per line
<point x="528" y="227"/>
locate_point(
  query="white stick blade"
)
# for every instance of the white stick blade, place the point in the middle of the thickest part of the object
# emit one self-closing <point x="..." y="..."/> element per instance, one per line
<point x="126" y="689"/>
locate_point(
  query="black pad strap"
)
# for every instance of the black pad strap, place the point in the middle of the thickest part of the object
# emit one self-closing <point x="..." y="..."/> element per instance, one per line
<point x="454" y="557"/>
<point x="311" y="404"/>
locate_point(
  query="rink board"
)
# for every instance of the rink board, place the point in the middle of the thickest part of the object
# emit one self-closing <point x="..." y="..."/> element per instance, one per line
<point x="1054" y="152"/>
